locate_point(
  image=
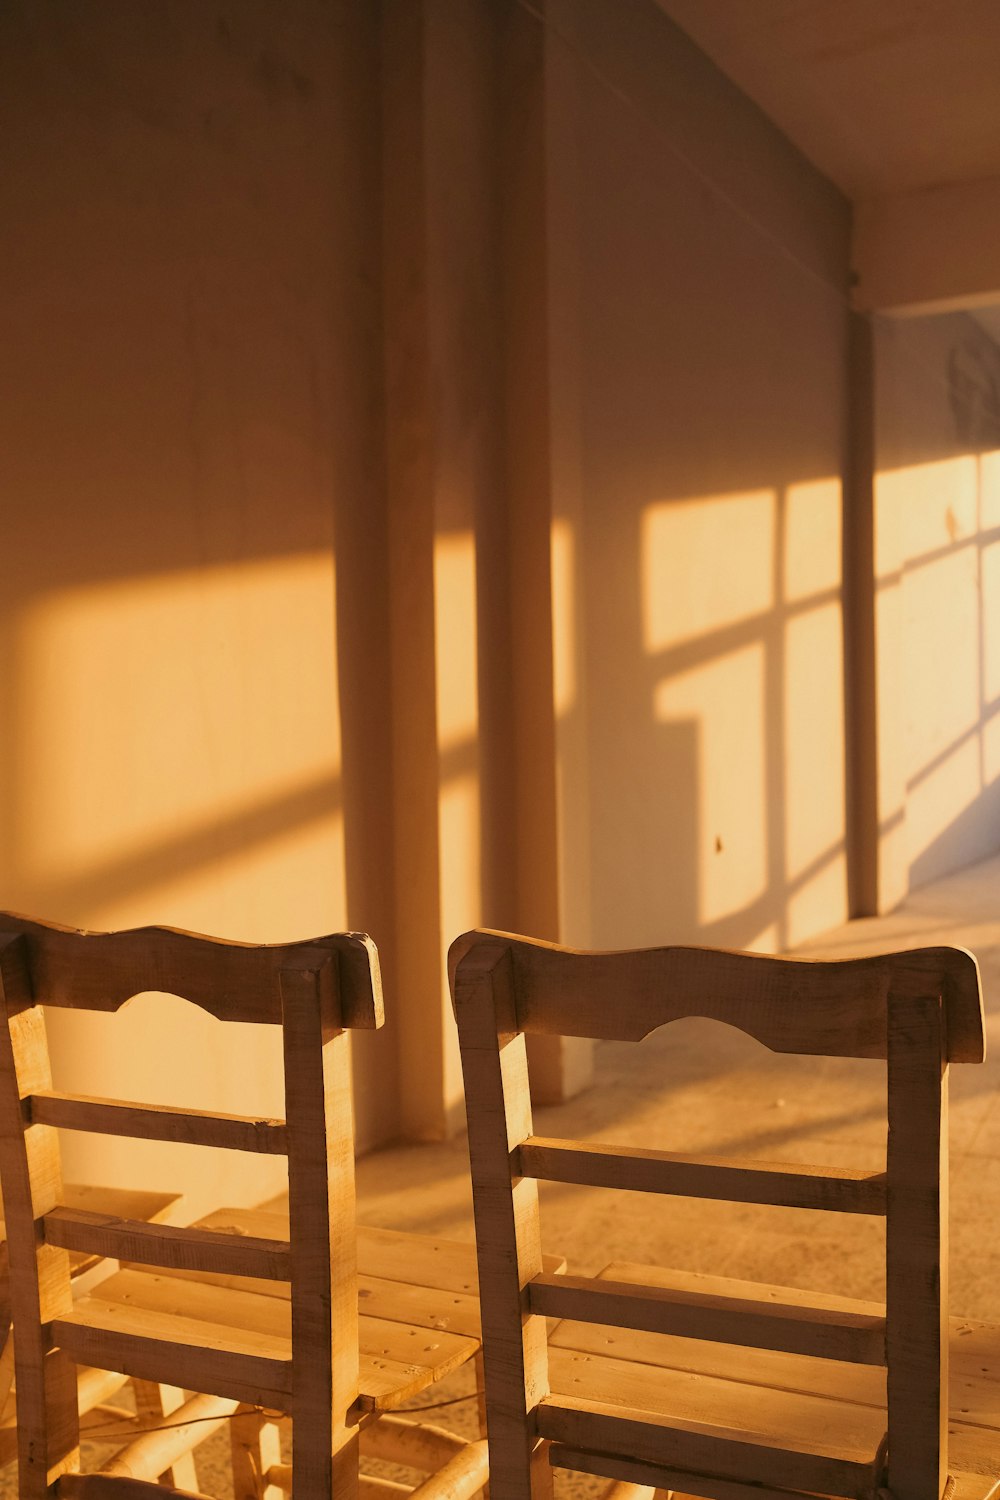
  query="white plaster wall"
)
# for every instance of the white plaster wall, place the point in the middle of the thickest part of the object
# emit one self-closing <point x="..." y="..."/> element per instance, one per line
<point x="184" y="405"/>
<point x="699" y="545"/>
<point x="938" y="599"/>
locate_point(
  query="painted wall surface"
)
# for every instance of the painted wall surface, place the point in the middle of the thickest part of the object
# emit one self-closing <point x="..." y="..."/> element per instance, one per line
<point x="422" y="487"/>
<point x="189" y="404"/>
<point x="937" y="532"/>
<point x="697" y="545"/>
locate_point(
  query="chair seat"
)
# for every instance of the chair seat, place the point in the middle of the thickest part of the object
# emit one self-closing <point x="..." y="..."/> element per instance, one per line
<point x="231" y="1342"/>
<point x="417" y="1279"/>
<point x="678" y="1391"/>
<point x="405" y="1277"/>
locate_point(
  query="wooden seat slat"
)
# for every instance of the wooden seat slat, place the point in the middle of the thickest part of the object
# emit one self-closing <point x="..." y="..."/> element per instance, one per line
<point x="974" y="1362"/>
<point x="397" y="1359"/>
<point x="660" y="1476"/>
<point x="405" y="1277"/>
<point x="720" y="1427"/>
<point x="188" y="1353"/>
<point x="858" y="1338"/>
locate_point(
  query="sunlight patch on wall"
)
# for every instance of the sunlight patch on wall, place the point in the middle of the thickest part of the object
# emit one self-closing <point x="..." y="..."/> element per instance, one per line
<point x="725" y="697"/>
<point x="182" y="722"/>
<point x="991" y="749"/>
<point x="814" y="738"/>
<point x="935" y="503"/>
<point x="989" y="490"/>
<point x="459" y="811"/>
<point x="990" y="627"/>
<point x="941" y="691"/>
<point x="940" y="797"/>
<point x="456" y="638"/>
<point x="459" y="828"/>
<point x="685" y="591"/>
<point x="564" y="604"/>
<point x="812" y="539"/>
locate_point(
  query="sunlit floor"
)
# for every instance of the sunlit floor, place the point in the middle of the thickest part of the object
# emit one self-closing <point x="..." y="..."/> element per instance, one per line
<point x="701" y="1087"/>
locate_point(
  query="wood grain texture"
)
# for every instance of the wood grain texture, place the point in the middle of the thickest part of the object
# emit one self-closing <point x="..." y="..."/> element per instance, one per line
<point x="298" y="1347"/>
<point x="154" y="1453"/>
<point x="917" y="1248"/>
<point x="153" y="1404"/>
<point x="157" y="1122"/>
<point x="728" y="1450"/>
<point x="255" y="1447"/>
<point x="793" y="1328"/>
<point x="223" y="1361"/>
<point x="397" y="1358"/>
<point x="664" y="1478"/>
<point x="118" y="1487"/>
<point x="645" y="1369"/>
<point x="838" y="1190"/>
<point x="974" y="1363"/>
<point x="498" y="1109"/>
<point x="48" y="1422"/>
<point x="165" y="1245"/>
<point x="233" y="981"/>
<point x="321" y="1202"/>
<point x="822" y="1008"/>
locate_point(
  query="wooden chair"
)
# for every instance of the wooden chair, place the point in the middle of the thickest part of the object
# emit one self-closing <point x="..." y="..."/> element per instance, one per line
<point x="708" y="1392"/>
<point x="246" y="1355"/>
<point x="95" y="1388"/>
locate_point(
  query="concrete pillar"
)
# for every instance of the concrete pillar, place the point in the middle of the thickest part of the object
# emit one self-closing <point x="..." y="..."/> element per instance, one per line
<point x="540" y="325"/>
<point x="470" y="490"/>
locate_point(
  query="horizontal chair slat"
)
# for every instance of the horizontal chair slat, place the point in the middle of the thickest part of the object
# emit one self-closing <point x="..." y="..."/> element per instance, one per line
<point x="157" y="1122"/>
<point x="165" y="1245"/>
<point x="857" y="1338"/>
<point x="783" y="1184"/>
<point x="255" y="1378"/>
<point x="725" y="1453"/>
<point x="658" y="1476"/>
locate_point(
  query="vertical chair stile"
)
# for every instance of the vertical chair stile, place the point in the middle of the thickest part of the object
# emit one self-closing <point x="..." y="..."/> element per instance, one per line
<point x="322" y="1239"/>
<point x="917" y="1247"/>
<point x="48" y="1421"/>
<point x="507" y="1231"/>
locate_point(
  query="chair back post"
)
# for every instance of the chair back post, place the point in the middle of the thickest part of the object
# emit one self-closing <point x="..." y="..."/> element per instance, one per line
<point x="917" y="1240"/>
<point x="47" y="1417"/>
<point x="508" y="1233"/>
<point x="321" y="1194"/>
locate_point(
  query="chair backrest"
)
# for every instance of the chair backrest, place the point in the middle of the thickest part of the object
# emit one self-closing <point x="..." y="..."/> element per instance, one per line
<point x="918" y="1010"/>
<point x="315" y="991"/>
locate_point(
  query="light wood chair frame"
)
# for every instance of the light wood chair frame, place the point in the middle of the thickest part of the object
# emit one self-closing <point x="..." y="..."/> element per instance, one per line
<point x="316" y="992"/>
<point x="918" y="1011"/>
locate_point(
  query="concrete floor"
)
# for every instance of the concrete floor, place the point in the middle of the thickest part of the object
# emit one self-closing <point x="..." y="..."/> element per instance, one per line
<point x="701" y="1087"/>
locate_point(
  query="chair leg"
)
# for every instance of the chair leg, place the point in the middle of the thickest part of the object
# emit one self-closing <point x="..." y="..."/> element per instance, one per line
<point x="541" y="1471"/>
<point x="255" y="1449"/>
<point x="480" y="1378"/>
<point x="154" y="1404"/>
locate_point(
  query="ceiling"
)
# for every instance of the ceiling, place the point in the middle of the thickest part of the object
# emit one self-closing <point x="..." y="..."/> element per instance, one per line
<point x="884" y="96"/>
